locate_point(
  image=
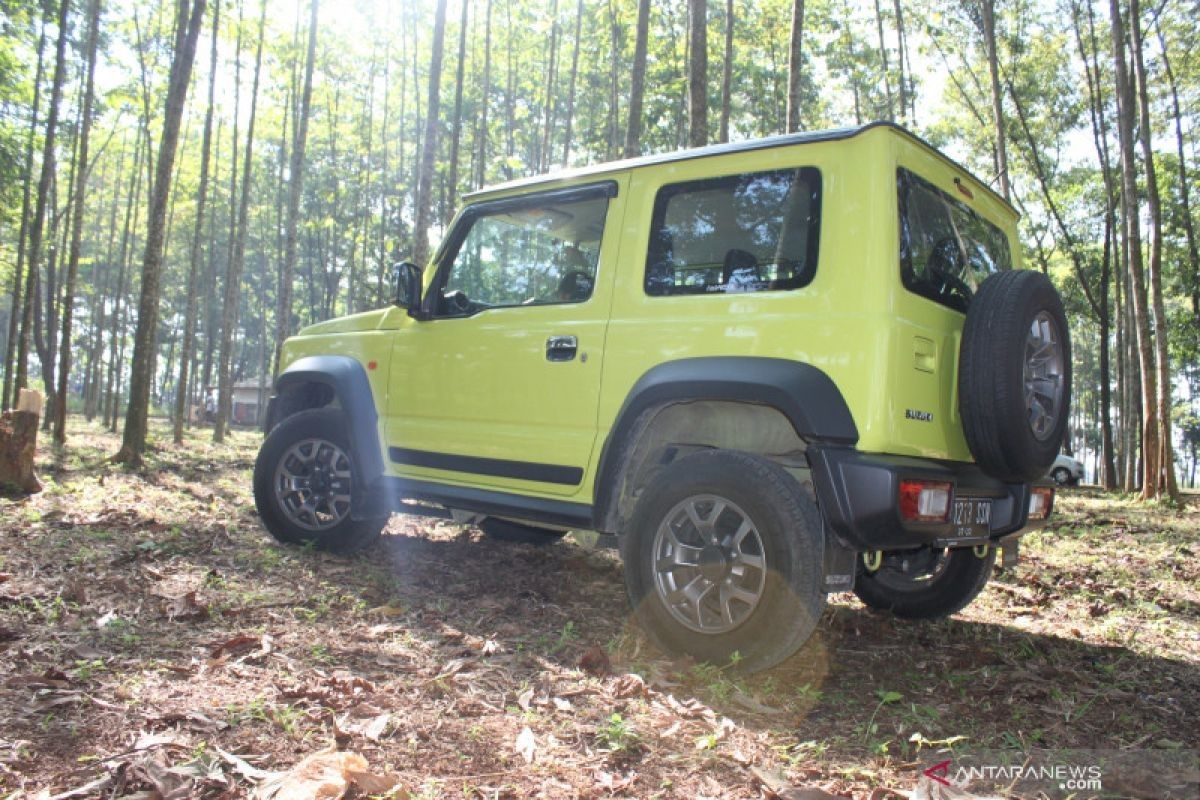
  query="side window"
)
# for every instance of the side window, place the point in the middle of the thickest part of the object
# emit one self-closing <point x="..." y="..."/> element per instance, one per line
<point x="532" y="253"/>
<point x="946" y="249"/>
<point x="742" y="233"/>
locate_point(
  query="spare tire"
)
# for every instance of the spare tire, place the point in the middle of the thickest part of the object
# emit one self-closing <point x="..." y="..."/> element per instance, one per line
<point x="1014" y="375"/>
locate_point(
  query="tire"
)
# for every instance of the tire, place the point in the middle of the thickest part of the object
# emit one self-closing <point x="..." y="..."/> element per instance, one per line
<point x="956" y="580"/>
<point x="1062" y="476"/>
<point x="1014" y="375"/>
<point x="503" y="530"/>
<point x="785" y="537"/>
<point x="304" y="442"/>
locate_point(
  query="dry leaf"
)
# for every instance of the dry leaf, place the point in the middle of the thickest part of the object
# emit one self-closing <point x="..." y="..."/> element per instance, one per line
<point x="242" y="641"/>
<point x="595" y="661"/>
<point x="185" y="606"/>
<point x="324" y="776"/>
<point x="526" y="745"/>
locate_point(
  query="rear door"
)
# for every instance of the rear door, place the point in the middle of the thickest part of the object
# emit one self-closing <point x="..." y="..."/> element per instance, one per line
<point x="500" y="388"/>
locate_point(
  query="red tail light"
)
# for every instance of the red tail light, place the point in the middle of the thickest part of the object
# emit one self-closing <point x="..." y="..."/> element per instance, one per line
<point x="1041" y="500"/>
<point x="925" y="501"/>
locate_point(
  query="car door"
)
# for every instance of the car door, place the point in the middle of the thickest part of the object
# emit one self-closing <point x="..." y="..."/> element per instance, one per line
<point x="497" y="385"/>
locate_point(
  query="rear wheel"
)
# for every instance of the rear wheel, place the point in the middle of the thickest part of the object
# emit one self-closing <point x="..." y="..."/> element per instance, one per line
<point x="925" y="584"/>
<point x="1061" y="476"/>
<point x="723" y="560"/>
<point x="304" y="480"/>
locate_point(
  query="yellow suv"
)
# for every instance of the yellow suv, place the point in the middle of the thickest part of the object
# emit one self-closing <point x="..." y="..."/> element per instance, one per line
<point x="772" y="369"/>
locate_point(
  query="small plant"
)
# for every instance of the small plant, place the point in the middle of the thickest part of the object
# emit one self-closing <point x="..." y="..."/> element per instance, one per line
<point x="617" y="736"/>
<point x="885" y="698"/>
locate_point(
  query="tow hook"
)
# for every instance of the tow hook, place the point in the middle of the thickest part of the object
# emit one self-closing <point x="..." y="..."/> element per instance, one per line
<point x="981" y="550"/>
<point x="873" y="560"/>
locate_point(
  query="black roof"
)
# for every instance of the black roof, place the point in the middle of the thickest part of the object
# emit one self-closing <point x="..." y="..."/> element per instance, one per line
<point x="747" y="145"/>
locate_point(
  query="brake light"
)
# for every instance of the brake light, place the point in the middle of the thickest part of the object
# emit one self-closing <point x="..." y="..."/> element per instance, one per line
<point x="924" y="501"/>
<point x="1041" y="500"/>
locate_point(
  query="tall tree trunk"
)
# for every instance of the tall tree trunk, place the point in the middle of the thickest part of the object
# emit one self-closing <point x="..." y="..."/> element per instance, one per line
<point x="698" y="73"/>
<point x="77" y="203"/>
<point x="883" y="56"/>
<point x="1158" y="315"/>
<point x="425" y="176"/>
<point x="570" y="121"/>
<point x="901" y="59"/>
<point x="726" y="75"/>
<point x="637" y="82"/>
<point x="37" y="228"/>
<point x="989" y="42"/>
<point x="233" y="280"/>
<point x="10" y="342"/>
<point x="456" y="124"/>
<point x="543" y="160"/>
<point x="283" y="310"/>
<point x="182" y="390"/>
<point x="481" y="136"/>
<point x="133" y="443"/>
<point x="1133" y="252"/>
<point x="795" y="66"/>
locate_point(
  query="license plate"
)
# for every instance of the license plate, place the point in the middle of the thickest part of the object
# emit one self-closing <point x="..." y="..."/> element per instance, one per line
<point x="971" y="516"/>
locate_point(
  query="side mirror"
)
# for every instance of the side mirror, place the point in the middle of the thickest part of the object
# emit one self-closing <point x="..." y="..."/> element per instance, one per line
<point x="408" y="286"/>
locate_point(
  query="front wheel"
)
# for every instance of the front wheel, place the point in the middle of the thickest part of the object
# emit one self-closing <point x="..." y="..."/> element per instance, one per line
<point x="304" y="481"/>
<point x="723" y="560"/>
<point x="925" y="584"/>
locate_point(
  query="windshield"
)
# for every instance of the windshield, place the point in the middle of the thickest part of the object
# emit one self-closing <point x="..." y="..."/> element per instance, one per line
<point x="946" y="249"/>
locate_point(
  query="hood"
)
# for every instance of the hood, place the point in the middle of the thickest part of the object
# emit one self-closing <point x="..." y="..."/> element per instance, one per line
<point x="364" y="321"/>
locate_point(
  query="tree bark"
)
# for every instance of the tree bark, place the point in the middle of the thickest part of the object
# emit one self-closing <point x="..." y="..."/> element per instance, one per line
<point x="456" y="125"/>
<point x="1166" y="460"/>
<point x="989" y="42"/>
<point x="726" y="75"/>
<point x="698" y="73"/>
<point x="133" y="443"/>
<point x="429" y="151"/>
<point x="233" y="279"/>
<point x="795" y="67"/>
<point x="543" y="153"/>
<point x="481" y="136"/>
<point x="37" y="228"/>
<point x="883" y="57"/>
<point x="637" y="82"/>
<point x="570" y="121"/>
<point x="77" y="203"/>
<point x="283" y="310"/>
<point x="183" y="390"/>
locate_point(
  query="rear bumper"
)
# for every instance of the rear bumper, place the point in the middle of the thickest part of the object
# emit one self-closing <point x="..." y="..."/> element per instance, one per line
<point x="859" y="496"/>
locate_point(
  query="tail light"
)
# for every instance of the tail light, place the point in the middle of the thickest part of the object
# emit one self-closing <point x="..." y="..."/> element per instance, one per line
<point x="925" y="501"/>
<point x="1041" y="500"/>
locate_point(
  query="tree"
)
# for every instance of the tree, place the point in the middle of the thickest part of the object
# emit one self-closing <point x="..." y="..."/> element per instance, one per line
<point x="795" y="66"/>
<point x="637" y="82"/>
<point x="698" y="73"/>
<point x="989" y="42"/>
<point x="77" y="204"/>
<point x="425" y="176"/>
<point x="726" y="75"/>
<point x="188" y="21"/>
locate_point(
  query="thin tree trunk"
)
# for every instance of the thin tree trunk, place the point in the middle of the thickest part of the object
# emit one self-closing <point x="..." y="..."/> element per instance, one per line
<point x="543" y="160"/>
<point x="698" y="73"/>
<point x="726" y="75"/>
<point x="182" y="390"/>
<point x="795" y="67"/>
<point x="456" y="125"/>
<point x="481" y="137"/>
<point x="637" y="82"/>
<point x="283" y="310"/>
<point x="989" y="42"/>
<point x="901" y="58"/>
<point x="425" y="176"/>
<point x="1133" y="252"/>
<point x="570" y="121"/>
<point x="77" y="203"/>
<point x="233" y="280"/>
<point x="883" y="56"/>
<point x="1166" y="460"/>
<point x="10" y="343"/>
<point x="133" y="442"/>
<point x="37" y="229"/>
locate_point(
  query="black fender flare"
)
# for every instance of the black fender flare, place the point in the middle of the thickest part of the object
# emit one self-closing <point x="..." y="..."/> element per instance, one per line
<point x="348" y="381"/>
<point x="802" y="392"/>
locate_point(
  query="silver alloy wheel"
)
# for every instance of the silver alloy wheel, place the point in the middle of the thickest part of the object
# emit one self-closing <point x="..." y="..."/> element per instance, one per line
<point x="312" y="484"/>
<point x="1044" y="366"/>
<point x="710" y="567"/>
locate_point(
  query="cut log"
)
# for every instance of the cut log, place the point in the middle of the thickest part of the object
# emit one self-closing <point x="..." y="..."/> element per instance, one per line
<point x="18" y="445"/>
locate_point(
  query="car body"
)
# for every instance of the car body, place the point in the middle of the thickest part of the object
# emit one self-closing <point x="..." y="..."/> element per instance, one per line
<point x="747" y="298"/>
<point x="1065" y="471"/>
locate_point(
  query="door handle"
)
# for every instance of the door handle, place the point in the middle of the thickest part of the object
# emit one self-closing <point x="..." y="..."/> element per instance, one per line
<point x="561" y="348"/>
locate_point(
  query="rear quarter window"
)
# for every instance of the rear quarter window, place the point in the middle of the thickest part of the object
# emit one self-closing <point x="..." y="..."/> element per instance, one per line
<point x="742" y="233"/>
<point x="946" y="249"/>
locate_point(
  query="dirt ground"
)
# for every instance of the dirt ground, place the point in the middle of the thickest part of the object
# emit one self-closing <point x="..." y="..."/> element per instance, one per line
<point x="154" y="641"/>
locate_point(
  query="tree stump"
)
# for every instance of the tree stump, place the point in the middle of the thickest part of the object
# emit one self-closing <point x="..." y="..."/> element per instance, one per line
<point x="18" y="445"/>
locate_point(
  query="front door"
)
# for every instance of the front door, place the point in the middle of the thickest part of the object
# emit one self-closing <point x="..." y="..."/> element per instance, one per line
<point x="499" y="389"/>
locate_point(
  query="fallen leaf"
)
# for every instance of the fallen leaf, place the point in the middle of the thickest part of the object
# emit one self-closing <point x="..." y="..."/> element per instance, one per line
<point x="185" y="607"/>
<point x="595" y="661"/>
<point x="85" y="652"/>
<point x="629" y="685"/>
<point x="526" y="745"/>
<point x="242" y="641"/>
<point x="326" y="775"/>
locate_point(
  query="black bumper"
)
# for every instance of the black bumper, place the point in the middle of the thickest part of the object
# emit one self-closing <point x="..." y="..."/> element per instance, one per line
<point x="859" y="496"/>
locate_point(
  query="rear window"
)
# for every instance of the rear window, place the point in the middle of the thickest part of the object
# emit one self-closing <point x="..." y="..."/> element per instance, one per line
<point x="946" y="249"/>
<point x="742" y="233"/>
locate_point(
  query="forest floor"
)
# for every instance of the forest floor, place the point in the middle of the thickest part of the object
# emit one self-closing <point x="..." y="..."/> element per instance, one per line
<point x="154" y="641"/>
